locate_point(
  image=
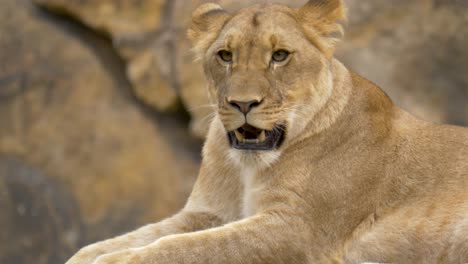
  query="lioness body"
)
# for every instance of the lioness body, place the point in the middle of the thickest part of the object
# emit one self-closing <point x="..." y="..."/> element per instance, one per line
<point x="356" y="179"/>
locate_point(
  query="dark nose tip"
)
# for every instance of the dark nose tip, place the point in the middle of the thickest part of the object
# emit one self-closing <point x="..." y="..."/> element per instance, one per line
<point x="245" y="107"/>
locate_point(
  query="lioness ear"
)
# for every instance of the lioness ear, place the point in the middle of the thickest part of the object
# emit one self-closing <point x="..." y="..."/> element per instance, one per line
<point x="207" y="21"/>
<point x="322" y="21"/>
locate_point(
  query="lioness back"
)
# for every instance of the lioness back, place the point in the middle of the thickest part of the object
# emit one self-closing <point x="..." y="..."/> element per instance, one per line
<point x="427" y="190"/>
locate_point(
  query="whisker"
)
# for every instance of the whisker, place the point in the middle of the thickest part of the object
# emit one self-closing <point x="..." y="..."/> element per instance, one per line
<point x="213" y="106"/>
<point x="209" y="117"/>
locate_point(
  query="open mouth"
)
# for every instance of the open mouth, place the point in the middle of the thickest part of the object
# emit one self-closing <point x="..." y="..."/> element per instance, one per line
<point x="248" y="137"/>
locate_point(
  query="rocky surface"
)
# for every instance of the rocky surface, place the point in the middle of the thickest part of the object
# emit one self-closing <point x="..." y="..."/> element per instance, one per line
<point x="94" y="134"/>
<point x="80" y="158"/>
<point x="416" y="51"/>
<point x="138" y="28"/>
<point x="116" y="17"/>
<point x="40" y="220"/>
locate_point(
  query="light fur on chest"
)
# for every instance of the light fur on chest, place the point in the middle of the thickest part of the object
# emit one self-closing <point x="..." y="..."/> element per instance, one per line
<point x="251" y="189"/>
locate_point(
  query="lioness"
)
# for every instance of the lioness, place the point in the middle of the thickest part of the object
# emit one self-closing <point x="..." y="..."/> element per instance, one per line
<point x="305" y="161"/>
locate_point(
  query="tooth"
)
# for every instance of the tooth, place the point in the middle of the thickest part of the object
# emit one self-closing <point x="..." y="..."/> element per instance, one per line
<point x="262" y="136"/>
<point x="239" y="136"/>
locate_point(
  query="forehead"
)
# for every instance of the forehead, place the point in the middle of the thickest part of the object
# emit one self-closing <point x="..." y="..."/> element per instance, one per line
<point x="261" y="23"/>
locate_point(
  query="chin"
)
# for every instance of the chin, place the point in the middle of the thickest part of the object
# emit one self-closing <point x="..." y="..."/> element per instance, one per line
<point x="254" y="159"/>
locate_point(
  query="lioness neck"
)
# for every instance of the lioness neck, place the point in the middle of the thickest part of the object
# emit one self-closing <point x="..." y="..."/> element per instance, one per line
<point x="341" y="89"/>
<point x="354" y="103"/>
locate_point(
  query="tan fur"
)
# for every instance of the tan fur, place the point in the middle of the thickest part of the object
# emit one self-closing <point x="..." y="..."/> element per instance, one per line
<point x="356" y="180"/>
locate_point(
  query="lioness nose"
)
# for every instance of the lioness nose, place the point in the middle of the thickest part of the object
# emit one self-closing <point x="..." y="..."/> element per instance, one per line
<point x="245" y="107"/>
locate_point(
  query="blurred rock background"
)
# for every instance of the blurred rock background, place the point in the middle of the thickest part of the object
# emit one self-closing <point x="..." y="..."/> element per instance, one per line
<point x="103" y="111"/>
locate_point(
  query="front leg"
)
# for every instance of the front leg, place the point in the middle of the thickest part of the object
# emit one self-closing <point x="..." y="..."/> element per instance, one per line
<point x="182" y="222"/>
<point x="265" y="238"/>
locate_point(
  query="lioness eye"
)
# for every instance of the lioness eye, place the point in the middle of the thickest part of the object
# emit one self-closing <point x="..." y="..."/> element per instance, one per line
<point x="280" y="55"/>
<point x="225" y="55"/>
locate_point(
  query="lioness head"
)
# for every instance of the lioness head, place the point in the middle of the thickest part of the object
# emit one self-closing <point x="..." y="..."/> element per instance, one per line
<point x="268" y="68"/>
